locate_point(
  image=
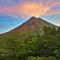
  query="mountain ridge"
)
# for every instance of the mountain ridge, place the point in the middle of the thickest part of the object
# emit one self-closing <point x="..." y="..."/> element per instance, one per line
<point x="31" y="25"/>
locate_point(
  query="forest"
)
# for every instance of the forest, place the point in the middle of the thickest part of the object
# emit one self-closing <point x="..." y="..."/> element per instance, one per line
<point x="33" y="46"/>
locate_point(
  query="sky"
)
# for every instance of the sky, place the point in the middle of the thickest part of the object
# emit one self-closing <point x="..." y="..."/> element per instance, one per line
<point x="15" y="12"/>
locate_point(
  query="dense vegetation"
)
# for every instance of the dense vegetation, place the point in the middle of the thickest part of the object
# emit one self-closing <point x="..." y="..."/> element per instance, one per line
<point x="32" y="46"/>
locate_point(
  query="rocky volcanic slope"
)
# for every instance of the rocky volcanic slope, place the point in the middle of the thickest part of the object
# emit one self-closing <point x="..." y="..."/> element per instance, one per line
<point x="30" y="26"/>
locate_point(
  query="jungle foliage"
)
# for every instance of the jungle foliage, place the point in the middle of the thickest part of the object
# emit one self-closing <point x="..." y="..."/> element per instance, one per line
<point x="32" y="46"/>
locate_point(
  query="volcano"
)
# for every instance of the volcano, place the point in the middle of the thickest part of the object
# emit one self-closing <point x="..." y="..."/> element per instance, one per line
<point x="30" y="26"/>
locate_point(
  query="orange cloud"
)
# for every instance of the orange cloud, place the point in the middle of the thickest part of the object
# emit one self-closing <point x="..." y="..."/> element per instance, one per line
<point x="26" y="9"/>
<point x="34" y="9"/>
<point x="30" y="9"/>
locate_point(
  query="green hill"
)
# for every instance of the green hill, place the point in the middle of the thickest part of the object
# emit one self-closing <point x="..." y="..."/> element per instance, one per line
<point x="35" y="39"/>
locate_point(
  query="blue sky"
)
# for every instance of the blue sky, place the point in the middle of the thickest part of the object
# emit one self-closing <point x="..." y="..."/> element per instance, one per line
<point x="54" y="19"/>
<point x="8" y="23"/>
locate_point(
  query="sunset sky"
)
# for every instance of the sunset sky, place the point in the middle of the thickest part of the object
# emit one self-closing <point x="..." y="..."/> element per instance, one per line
<point x="14" y="12"/>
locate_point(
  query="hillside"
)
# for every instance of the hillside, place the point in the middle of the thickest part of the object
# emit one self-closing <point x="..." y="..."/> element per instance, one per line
<point x="27" y="42"/>
<point x="30" y="26"/>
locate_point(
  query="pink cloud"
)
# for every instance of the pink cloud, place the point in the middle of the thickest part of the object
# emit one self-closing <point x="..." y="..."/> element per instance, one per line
<point x="3" y="26"/>
<point x="31" y="9"/>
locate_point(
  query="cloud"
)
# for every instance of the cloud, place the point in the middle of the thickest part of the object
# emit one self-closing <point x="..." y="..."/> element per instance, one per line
<point x="53" y="11"/>
<point x="34" y="9"/>
<point x="28" y="9"/>
<point x="9" y="2"/>
<point x="31" y="8"/>
<point x="3" y="26"/>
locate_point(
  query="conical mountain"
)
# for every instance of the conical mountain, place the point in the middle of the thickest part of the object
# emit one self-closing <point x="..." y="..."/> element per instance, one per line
<point x="30" y="26"/>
